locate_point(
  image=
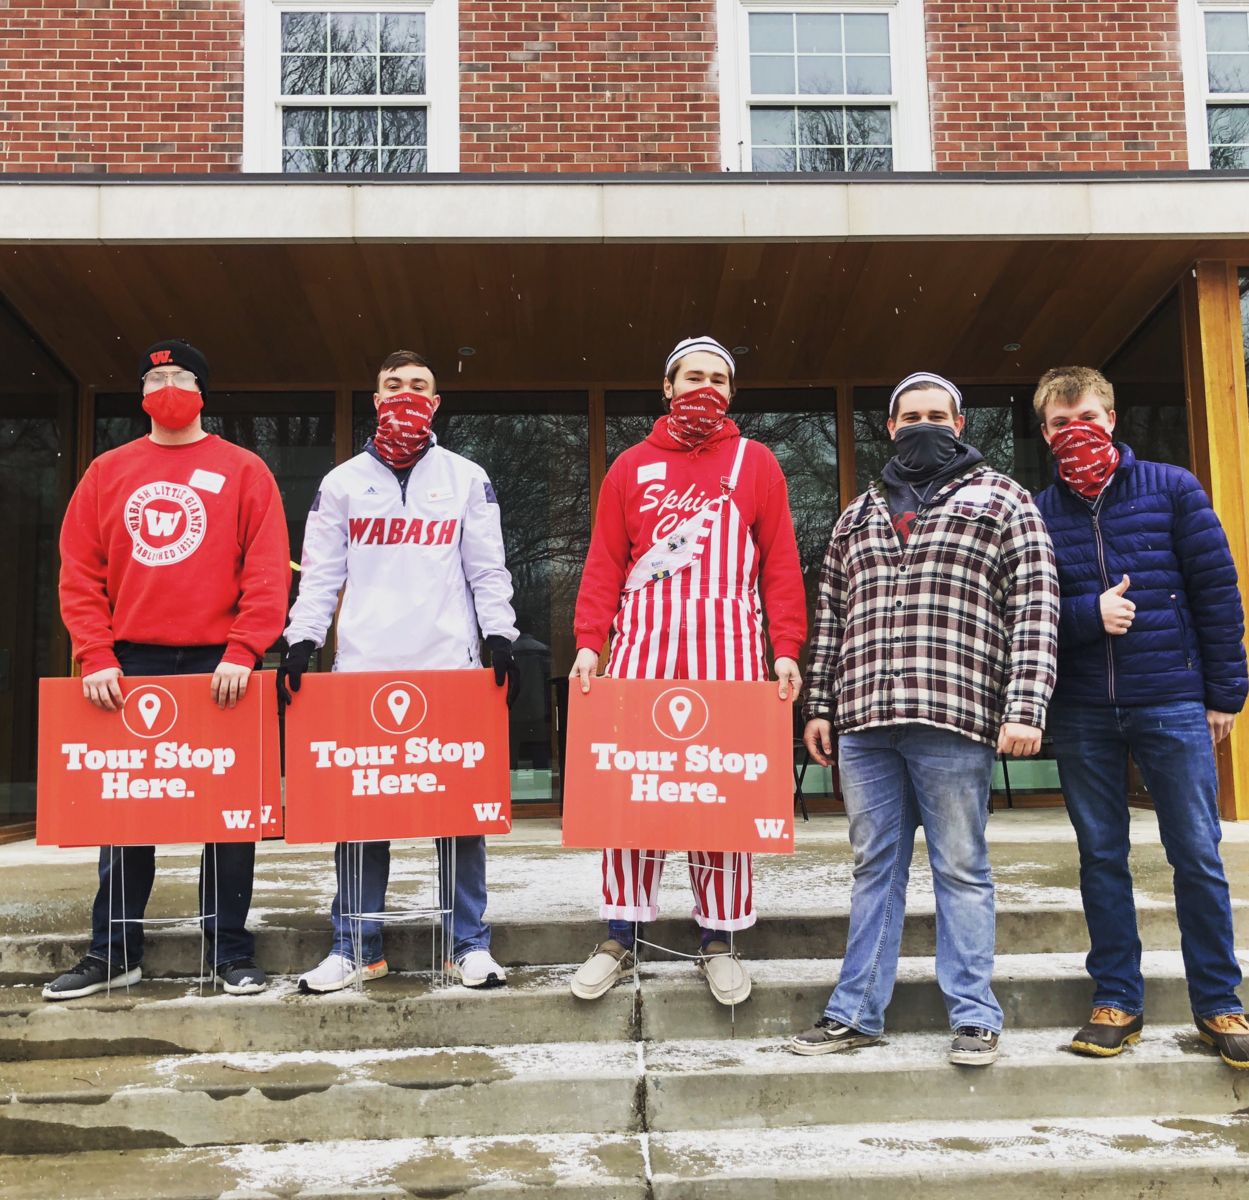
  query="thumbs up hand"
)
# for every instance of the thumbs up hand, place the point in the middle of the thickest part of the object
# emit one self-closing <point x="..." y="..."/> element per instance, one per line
<point x="1118" y="612"/>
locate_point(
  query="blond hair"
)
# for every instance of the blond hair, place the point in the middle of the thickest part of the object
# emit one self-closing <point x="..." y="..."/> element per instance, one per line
<point x="1065" y="385"/>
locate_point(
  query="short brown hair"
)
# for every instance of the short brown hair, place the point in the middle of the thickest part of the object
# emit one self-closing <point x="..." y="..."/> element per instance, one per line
<point x="1067" y="384"/>
<point x="676" y="366"/>
<point x="404" y="358"/>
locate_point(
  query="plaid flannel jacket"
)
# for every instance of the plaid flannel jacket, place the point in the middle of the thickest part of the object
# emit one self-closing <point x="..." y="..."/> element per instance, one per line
<point x="958" y="628"/>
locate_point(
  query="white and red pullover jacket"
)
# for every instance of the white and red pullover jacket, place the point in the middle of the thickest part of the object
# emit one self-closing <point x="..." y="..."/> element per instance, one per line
<point x="422" y="562"/>
<point x="175" y="546"/>
<point x="654" y="486"/>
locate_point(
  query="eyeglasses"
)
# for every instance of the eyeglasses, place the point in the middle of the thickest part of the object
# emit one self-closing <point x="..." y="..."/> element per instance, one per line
<point x="153" y="381"/>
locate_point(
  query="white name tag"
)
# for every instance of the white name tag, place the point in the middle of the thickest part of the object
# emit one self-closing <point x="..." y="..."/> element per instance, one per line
<point x="657" y="470"/>
<point x="208" y="481"/>
<point x="438" y="494"/>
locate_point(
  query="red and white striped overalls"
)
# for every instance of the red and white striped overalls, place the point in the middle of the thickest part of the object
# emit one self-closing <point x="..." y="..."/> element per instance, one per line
<point x="700" y="622"/>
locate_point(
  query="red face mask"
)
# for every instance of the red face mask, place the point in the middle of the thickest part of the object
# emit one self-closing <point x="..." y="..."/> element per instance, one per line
<point x="173" y="408"/>
<point x="695" y="416"/>
<point x="1085" y="456"/>
<point x="403" y="428"/>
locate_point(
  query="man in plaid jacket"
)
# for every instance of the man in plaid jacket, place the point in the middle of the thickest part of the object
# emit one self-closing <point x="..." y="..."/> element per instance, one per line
<point x="935" y="643"/>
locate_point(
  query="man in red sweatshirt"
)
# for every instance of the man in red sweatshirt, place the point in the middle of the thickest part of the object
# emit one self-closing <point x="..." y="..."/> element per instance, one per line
<point x="693" y="527"/>
<point x="174" y="561"/>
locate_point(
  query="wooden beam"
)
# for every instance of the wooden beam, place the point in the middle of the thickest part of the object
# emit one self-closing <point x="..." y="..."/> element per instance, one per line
<point x="1219" y="430"/>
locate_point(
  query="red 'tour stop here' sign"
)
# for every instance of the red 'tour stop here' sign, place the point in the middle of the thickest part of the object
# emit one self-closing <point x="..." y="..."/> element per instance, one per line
<point x="169" y="767"/>
<point x="663" y="764"/>
<point x="375" y="755"/>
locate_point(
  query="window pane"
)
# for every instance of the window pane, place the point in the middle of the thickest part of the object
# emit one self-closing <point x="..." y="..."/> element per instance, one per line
<point x="774" y="160"/>
<point x="867" y="32"/>
<point x="868" y="76"/>
<point x="299" y="162"/>
<point x="771" y="31"/>
<point x="1228" y="72"/>
<point x="353" y="127"/>
<point x="403" y="127"/>
<point x="403" y="33"/>
<point x="770" y="74"/>
<point x="1228" y="124"/>
<point x="821" y="74"/>
<point x="1227" y="31"/>
<point x="403" y="162"/>
<point x="353" y="75"/>
<point x="360" y="162"/>
<point x="403" y="75"/>
<point x="874" y="158"/>
<point x="820" y="127"/>
<point x="303" y="32"/>
<point x="303" y="75"/>
<point x="869" y="127"/>
<point x="819" y="33"/>
<point x="1229" y="158"/>
<point x="353" y="33"/>
<point x="772" y="127"/>
<point x="304" y="127"/>
<point x="820" y="158"/>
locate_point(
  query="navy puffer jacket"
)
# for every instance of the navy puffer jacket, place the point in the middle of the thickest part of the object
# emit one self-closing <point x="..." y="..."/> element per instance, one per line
<point x="1153" y="523"/>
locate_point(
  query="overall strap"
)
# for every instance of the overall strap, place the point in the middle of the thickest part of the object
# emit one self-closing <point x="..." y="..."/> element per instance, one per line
<point x="728" y="485"/>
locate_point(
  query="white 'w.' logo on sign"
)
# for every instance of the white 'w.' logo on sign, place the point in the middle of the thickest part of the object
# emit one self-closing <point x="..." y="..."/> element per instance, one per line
<point x="770" y="827"/>
<point x="488" y="812"/>
<point x="161" y="524"/>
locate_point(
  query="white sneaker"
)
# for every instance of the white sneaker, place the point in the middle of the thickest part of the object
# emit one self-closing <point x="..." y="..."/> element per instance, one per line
<point x="337" y="971"/>
<point x="600" y="972"/>
<point x="477" y="969"/>
<point x="726" y="976"/>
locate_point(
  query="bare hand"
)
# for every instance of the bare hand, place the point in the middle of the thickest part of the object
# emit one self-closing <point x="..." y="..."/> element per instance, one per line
<point x="1117" y="611"/>
<point x="1220" y="724"/>
<point x="818" y="739"/>
<point x="1021" y="741"/>
<point x="102" y="688"/>
<point x="584" y="668"/>
<point x="229" y="684"/>
<point x="787" y="675"/>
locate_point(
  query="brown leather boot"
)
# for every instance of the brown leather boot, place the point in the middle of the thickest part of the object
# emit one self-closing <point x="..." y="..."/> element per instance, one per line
<point x="1107" y="1032"/>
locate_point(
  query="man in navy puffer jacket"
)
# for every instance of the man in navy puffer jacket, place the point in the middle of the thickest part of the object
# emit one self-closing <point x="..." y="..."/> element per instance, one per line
<point x="1151" y="662"/>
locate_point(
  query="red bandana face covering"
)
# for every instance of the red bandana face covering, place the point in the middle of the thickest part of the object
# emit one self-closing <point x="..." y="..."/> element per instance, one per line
<point x="1085" y="456"/>
<point x="173" y="408"/>
<point x="695" y="416"/>
<point x="403" y="427"/>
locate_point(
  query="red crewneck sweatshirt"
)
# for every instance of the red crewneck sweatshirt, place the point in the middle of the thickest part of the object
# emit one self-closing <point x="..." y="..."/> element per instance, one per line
<point x="175" y="546"/>
<point x="656" y="483"/>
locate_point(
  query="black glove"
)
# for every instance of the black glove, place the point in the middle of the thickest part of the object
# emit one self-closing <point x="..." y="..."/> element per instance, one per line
<point x="294" y="664"/>
<point x="504" y="665"/>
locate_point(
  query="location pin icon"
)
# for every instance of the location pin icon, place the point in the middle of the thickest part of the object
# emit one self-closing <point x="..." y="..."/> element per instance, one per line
<point x="398" y="702"/>
<point x="149" y="708"/>
<point x="679" y="708"/>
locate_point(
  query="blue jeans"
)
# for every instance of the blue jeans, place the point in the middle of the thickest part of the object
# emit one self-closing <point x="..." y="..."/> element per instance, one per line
<point x="1171" y="746"/>
<point x="128" y="872"/>
<point x="894" y="779"/>
<point x="363" y="870"/>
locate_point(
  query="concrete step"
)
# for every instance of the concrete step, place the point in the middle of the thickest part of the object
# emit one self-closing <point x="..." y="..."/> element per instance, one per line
<point x="317" y="1096"/>
<point x="1180" y="1156"/>
<point x="161" y="1017"/>
<point x="296" y="946"/>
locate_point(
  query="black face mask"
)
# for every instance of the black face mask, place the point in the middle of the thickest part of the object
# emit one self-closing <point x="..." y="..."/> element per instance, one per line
<point x="922" y="450"/>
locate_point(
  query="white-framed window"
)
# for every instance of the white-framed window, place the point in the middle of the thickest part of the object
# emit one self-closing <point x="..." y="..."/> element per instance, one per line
<point x="1214" y="37"/>
<point x="359" y="86"/>
<point x="823" y="87"/>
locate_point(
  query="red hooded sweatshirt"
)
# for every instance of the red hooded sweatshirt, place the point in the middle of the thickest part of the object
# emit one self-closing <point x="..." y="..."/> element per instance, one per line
<point x="658" y="483"/>
<point x="175" y="546"/>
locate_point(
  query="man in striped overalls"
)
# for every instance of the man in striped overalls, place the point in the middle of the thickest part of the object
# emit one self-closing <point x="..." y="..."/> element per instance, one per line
<point x="693" y="525"/>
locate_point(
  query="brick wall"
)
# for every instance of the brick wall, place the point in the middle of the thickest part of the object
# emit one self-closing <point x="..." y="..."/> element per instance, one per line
<point x="574" y="85"/>
<point x="1058" y="86"/>
<point x="121" y="85"/>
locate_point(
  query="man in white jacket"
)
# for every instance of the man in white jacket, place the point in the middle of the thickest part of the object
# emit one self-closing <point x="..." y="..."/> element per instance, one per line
<point x="413" y="532"/>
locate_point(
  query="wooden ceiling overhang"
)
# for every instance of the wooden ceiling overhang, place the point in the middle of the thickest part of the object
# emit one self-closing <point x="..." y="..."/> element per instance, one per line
<point x="572" y="315"/>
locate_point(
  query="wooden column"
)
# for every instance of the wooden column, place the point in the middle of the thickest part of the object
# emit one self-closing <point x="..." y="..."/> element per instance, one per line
<point x="1218" y="418"/>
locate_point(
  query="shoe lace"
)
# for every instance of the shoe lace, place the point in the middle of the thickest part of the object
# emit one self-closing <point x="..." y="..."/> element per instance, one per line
<point x="1107" y="1014"/>
<point x="974" y="1031"/>
<point x="238" y="964"/>
<point x="1230" y="1023"/>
